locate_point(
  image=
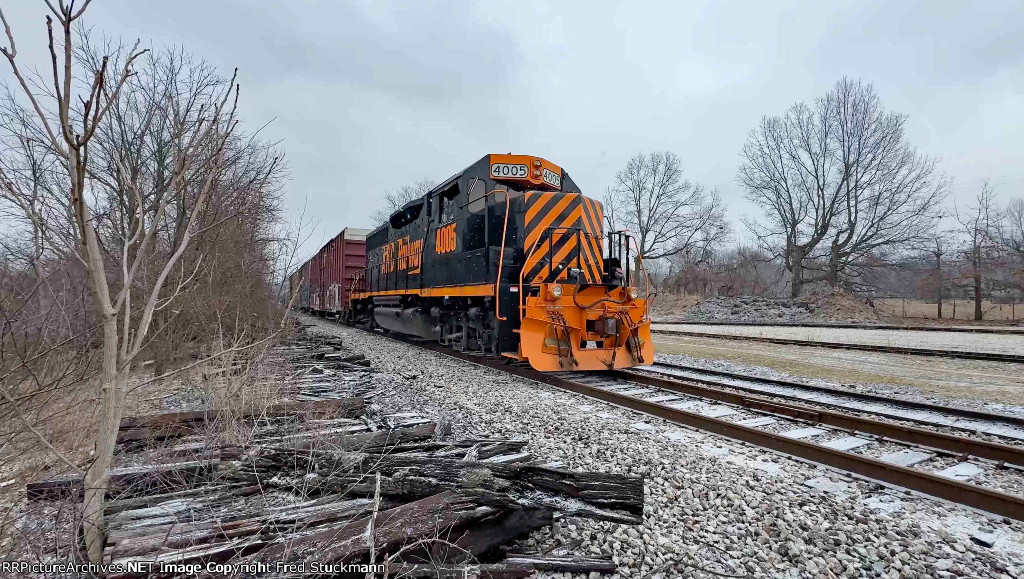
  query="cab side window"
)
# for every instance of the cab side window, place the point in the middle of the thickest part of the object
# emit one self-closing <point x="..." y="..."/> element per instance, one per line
<point x="477" y="195"/>
<point x="446" y="204"/>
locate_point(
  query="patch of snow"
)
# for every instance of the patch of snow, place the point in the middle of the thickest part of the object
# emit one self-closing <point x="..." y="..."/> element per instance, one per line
<point x="825" y="484"/>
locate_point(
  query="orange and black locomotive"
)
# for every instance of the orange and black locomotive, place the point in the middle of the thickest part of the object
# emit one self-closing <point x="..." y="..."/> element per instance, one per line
<point x="507" y="258"/>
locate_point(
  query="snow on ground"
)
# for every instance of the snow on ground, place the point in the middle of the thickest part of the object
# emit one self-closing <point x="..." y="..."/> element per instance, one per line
<point x="931" y="340"/>
<point x="970" y="381"/>
<point x="710" y="501"/>
<point x="897" y="392"/>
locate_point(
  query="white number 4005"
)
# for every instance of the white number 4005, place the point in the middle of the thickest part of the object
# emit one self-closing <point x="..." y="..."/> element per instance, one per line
<point x="552" y="178"/>
<point x="507" y="170"/>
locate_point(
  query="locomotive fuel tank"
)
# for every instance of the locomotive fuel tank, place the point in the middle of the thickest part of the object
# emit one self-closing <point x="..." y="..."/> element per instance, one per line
<point x="411" y="321"/>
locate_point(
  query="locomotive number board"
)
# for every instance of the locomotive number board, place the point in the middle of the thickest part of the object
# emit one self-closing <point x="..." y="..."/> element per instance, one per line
<point x="552" y="178"/>
<point x="509" y="170"/>
<point x="536" y="171"/>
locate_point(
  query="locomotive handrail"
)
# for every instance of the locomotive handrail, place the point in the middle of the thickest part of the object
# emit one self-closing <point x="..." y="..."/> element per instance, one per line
<point x="501" y="256"/>
<point x="647" y="278"/>
<point x="522" y="271"/>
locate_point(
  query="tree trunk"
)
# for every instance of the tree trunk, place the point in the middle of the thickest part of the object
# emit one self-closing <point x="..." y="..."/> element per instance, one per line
<point x="832" y="275"/>
<point x="97" y="477"/>
<point x="797" y="282"/>
<point x="938" y="284"/>
<point x="978" y="314"/>
<point x="976" y="258"/>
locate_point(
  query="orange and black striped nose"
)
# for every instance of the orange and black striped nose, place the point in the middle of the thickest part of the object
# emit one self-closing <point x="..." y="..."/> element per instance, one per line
<point x="563" y="231"/>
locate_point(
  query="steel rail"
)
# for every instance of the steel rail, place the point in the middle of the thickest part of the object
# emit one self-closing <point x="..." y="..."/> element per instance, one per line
<point x="949" y="489"/>
<point x="945" y="488"/>
<point x="989" y="356"/>
<point x="954" y="444"/>
<point x="1009" y="330"/>
<point x="964" y="412"/>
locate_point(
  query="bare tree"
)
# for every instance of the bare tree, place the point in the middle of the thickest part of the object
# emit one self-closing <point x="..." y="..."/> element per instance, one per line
<point x="194" y="162"/>
<point x="610" y="201"/>
<point x="1013" y="241"/>
<point x="936" y="247"/>
<point x="1013" y="229"/>
<point x="979" y="228"/>
<point x="393" y="201"/>
<point x="838" y="171"/>
<point x="669" y="214"/>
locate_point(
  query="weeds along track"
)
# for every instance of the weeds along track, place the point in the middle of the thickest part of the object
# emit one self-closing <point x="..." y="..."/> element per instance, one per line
<point x="964" y="354"/>
<point x="984" y="475"/>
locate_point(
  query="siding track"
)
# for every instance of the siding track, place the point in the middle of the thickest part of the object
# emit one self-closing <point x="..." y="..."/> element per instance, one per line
<point x="1007" y="330"/>
<point x="967" y="355"/>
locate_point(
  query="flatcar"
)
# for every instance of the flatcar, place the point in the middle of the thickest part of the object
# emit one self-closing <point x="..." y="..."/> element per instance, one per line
<point x="507" y="258"/>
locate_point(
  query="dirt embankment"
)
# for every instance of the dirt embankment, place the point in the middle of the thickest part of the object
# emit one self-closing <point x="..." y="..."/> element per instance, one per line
<point x="829" y="306"/>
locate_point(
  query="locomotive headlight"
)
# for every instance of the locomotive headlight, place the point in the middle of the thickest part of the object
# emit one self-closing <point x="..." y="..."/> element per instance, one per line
<point x="634" y="293"/>
<point x="556" y="291"/>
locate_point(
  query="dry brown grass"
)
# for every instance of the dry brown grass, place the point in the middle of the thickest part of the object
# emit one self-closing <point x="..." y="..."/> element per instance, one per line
<point x="973" y="380"/>
<point x="65" y="418"/>
<point x="244" y="384"/>
<point x="730" y="353"/>
<point x="964" y="309"/>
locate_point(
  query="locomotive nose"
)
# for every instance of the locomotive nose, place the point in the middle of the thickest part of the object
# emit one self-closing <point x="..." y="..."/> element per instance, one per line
<point x="585" y="327"/>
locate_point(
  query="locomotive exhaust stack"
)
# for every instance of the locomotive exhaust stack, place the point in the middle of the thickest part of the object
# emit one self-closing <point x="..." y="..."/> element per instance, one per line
<point x="507" y="257"/>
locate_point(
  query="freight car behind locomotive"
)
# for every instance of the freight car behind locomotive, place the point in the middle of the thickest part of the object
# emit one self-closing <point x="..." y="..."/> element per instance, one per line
<point x="325" y="283"/>
<point x="506" y="257"/>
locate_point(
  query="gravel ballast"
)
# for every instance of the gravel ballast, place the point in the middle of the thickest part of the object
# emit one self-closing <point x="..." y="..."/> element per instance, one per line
<point x="711" y="502"/>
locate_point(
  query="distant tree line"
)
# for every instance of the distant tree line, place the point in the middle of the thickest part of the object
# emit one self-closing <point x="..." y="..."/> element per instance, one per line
<point x="976" y="255"/>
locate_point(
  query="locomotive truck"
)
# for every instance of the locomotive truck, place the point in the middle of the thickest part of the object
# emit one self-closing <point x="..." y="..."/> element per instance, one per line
<point x="507" y="258"/>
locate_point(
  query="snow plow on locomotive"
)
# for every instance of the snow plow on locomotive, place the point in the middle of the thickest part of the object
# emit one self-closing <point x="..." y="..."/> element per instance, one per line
<point x="508" y="258"/>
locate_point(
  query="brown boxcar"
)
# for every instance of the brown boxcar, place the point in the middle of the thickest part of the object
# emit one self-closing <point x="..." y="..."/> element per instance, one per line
<point x="337" y="269"/>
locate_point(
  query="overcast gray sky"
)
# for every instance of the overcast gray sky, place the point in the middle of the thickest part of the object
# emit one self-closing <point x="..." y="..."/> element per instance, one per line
<point x="368" y="96"/>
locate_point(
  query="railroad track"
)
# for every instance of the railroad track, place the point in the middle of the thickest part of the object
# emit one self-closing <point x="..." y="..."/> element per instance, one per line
<point x="967" y="355"/>
<point x="1007" y="330"/>
<point x="933" y="463"/>
<point x="936" y="415"/>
